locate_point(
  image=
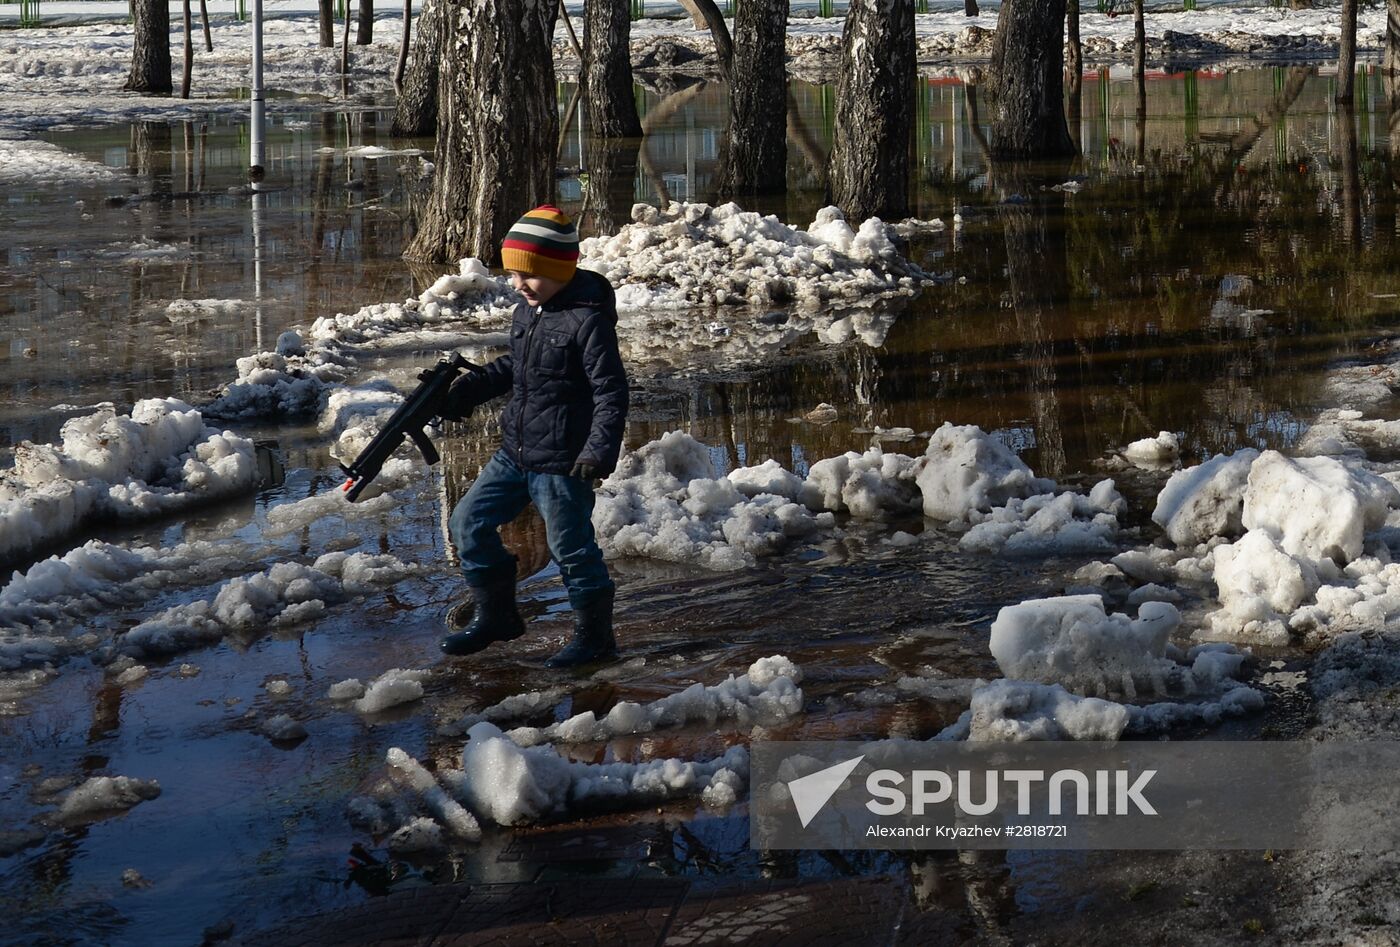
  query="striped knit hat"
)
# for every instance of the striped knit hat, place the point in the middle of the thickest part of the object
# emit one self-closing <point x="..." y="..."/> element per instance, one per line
<point x="542" y="243"/>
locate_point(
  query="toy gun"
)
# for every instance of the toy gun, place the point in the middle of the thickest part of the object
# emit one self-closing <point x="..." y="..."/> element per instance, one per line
<point x="407" y="422"/>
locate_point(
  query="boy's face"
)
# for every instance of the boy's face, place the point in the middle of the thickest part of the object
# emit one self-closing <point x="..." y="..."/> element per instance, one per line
<point x="537" y="290"/>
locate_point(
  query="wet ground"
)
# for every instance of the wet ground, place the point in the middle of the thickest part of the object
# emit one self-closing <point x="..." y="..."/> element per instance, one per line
<point x="1200" y="275"/>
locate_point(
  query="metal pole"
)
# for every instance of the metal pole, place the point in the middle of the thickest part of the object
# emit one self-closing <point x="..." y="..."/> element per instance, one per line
<point x="257" y="268"/>
<point x="255" y="164"/>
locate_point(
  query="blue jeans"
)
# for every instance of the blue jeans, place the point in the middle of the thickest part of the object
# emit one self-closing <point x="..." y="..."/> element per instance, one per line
<point x="566" y="505"/>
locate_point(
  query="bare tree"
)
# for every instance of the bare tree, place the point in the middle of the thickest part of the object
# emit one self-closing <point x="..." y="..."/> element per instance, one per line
<point x="204" y="17"/>
<point x="497" y="123"/>
<point x="1139" y="41"/>
<point x="724" y="45"/>
<point x="607" y="70"/>
<point x="874" y="110"/>
<point x="1346" y="54"/>
<point x="1028" y="72"/>
<point x="970" y="7"/>
<point x="755" y="159"/>
<point x="150" y="53"/>
<point x="415" y="114"/>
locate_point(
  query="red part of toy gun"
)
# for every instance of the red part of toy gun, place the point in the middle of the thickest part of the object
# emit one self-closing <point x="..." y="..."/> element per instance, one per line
<point x="407" y="423"/>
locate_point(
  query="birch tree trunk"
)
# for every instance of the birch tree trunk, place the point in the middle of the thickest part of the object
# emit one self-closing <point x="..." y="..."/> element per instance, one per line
<point x="1028" y="73"/>
<point x="497" y="124"/>
<point x="607" y="70"/>
<point x="150" y="52"/>
<point x="874" y="111"/>
<point x="416" y="112"/>
<point x="756" y="151"/>
<point x="1346" y="55"/>
<point x="1391" y="64"/>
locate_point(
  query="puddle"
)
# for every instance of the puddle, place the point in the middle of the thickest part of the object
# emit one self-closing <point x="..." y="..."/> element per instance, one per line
<point x="1201" y="284"/>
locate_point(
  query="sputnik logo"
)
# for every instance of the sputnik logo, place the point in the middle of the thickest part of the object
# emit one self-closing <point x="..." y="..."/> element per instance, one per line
<point x="813" y="791"/>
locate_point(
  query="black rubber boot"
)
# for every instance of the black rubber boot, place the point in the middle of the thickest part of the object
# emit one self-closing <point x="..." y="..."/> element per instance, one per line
<point x="496" y="618"/>
<point x="593" y="635"/>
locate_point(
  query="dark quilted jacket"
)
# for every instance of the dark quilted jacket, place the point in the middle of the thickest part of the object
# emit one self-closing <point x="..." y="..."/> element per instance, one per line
<point x="568" y="401"/>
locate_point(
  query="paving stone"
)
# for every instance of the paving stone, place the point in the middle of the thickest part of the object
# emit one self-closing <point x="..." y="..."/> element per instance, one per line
<point x="618" y="912"/>
<point x="409" y="918"/>
<point x="790" y="913"/>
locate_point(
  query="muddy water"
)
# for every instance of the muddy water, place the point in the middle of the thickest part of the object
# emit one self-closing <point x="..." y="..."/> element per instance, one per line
<point x="1201" y="275"/>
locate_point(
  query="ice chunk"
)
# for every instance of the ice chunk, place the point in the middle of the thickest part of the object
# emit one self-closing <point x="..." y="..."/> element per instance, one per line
<point x="1016" y="711"/>
<point x="964" y="470"/>
<point x="283" y="727"/>
<point x="1316" y="507"/>
<point x="395" y="686"/>
<point x="1046" y="524"/>
<point x="409" y="772"/>
<point x="105" y="795"/>
<point x="1154" y="453"/>
<point x="1260" y="586"/>
<point x="864" y="485"/>
<point x="1206" y="500"/>
<point x="1072" y="641"/>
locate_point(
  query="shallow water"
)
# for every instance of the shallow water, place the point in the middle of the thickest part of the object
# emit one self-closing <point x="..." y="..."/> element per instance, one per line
<point x="1201" y="281"/>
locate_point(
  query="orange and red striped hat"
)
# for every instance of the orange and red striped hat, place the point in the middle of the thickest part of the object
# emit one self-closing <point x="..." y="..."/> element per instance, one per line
<point x="542" y="243"/>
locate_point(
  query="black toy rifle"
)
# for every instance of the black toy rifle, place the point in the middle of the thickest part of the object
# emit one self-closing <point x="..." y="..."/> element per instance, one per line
<point x="407" y="422"/>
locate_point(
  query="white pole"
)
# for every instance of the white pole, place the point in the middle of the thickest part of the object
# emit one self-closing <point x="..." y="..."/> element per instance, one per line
<point x="257" y="271"/>
<point x="255" y="164"/>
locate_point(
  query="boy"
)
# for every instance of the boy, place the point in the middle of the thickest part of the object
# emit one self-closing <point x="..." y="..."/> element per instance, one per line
<point x="561" y="430"/>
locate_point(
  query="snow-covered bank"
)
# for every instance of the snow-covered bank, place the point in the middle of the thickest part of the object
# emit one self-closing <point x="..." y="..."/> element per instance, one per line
<point x="160" y="459"/>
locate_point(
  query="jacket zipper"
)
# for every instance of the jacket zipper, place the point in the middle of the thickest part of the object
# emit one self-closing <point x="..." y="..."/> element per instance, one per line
<point x="525" y="387"/>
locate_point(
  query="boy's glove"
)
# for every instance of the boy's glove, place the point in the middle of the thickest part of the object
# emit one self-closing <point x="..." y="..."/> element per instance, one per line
<point x="585" y="471"/>
<point x="459" y="401"/>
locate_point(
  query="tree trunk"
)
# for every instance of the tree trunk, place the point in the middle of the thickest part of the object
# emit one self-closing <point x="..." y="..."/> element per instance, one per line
<point x="607" y="70"/>
<point x="1391" y="64"/>
<point x="187" y="73"/>
<point x="1139" y="41"/>
<point x="970" y="7"/>
<point x="416" y="112"/>
<point x="612" y="183"/>
<point x="1346" y="55"/>
<point x="874" y="111"/>
<point x="1351" y="175"/>
<point x="1028" y="70"/>
<point x="756" y="153"/>
<point x="497" y="127"/>
<point x="204" y="17"/>
<point x="401" y="66"/>
<point x="150" y="53"/>
<point x="724" y="46"/>
<point x="327" y="21"/>
<point x="365" y="34"/>
<point x="697" y="15"/>
<point x="1074" y="49"/>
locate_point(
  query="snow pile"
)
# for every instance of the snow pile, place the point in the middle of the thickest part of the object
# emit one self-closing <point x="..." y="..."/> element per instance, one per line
<point x="395" y="686"/>
<point x="767" y="692"/>
<point x="664" y="501"/>
<point x="287" y="594"/>
<point x="355" y="415"/>
<point x="1316" y="507"/>
<point x="515" y="707"/>
<point x="1337" y="433"/>
<point x="1206" y="500"/>
<point x="28" y="163"/>
<point x="97" y="576"/>
<point x="965" y="471"/>
<point x="1260" y="585"/>
<point x="104" y="795"/>
<point x="472" y="296"/>
<point x="1154" y="453"/>
<point x="290" y="517"/>
<point x="510" y="784"/>
<point x="287" y="383"/>
<point x="161" y="458"/>
<point x="864" y="485"/>
<point x="1016" y="711"/>
<point x="1049" y="524"/>
<point x="409" y="773"/>
<point x="695" y="255"/>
